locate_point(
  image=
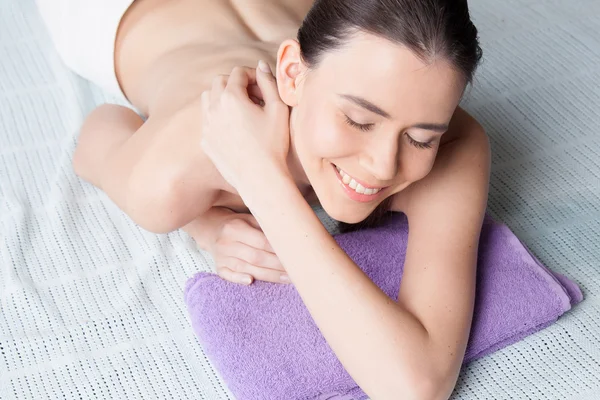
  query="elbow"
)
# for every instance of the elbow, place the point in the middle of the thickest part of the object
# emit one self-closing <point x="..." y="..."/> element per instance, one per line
<point x="432" y="387"/>
<point x="431" y="390"/>
<point x="426" y="388"/>
<point x="155" y="205"/>
<point x="418" y="390"/>
<point x="423" y="387"/>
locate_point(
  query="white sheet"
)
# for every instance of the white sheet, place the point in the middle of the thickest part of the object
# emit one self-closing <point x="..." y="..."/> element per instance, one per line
<point x="91" y="306"/>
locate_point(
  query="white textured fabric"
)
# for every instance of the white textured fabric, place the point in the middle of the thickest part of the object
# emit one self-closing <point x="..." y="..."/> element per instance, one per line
<point x="91" y="306"/>
<point x="84" y="33"/>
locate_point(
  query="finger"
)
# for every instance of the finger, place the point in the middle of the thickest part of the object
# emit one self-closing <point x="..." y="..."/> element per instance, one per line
<point x="254" y="256"/>
<point x="205" y="106"/>
<point x="240" y="79"/>
<point x="219" y="83"/>
<point x="268" y="275"/>
<point x="256" y="100"/>
<point x="254" y="236"/>
<point x="205" y="100"/>
<point x="235" y="277"/>
<point x="256" y="95"/>
<point x="267" y="84"/>
<point x="251" y="220"/>
<point x="238" y="266"/>
<point x="254" y="90"/>
<point x="254" y="223"/>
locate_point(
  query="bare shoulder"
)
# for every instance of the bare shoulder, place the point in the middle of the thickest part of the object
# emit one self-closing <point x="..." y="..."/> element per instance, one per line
<point x="181" y="75"/>
<point x="169" y="52"/>
<point x="299" y="7"/>
<point x="463" y="159"/>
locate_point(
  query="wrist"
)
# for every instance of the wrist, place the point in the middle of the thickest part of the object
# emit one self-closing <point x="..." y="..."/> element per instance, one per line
<point x="266" y="180"/>
<point x="269" y="190"/>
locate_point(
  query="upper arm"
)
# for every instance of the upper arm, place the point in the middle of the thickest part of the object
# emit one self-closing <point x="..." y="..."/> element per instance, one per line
<point x="158" y="175"/>
<point x="445" y="211"/>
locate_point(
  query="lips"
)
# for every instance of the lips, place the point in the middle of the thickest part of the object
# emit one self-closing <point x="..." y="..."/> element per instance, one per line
<point x="356" y="190"/>
<point x="358" y="181"/>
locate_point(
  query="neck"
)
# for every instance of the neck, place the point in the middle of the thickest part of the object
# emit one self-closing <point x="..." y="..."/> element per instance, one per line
<point x="294" y="165"/>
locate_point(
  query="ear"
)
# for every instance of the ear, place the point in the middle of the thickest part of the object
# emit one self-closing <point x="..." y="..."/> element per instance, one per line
<point x="288" y="71"/>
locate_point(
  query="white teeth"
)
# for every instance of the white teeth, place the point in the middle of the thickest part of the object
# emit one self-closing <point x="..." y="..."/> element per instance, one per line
<point x="358" y="188"/>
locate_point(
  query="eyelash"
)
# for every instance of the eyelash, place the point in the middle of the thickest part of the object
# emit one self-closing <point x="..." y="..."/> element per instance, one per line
<point x="368" y="127"/>
<point x="419" y="145"/>
<point x="362" y="127"/>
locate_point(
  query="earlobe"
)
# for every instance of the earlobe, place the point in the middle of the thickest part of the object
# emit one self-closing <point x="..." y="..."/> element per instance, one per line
<point x="289" y="67"/>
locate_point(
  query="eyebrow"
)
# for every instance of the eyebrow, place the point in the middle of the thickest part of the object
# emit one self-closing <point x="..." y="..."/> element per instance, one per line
<point x="366" y="104"/>
<point x="432" y="127"/>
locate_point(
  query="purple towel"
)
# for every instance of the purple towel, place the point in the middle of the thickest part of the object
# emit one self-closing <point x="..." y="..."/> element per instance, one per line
<point x="263" y="341"/>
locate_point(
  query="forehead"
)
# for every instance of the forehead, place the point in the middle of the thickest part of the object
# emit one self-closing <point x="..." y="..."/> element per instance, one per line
<point x="390" y="75"/>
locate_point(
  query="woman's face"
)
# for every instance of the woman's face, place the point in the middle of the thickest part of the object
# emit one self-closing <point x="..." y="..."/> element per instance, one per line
<point x="375" y="111"/>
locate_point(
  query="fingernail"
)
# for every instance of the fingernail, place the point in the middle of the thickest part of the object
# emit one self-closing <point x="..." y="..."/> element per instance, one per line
<point x="246" y="280"/>
<point x="284" y="278"/>
<point x="264" y="67"/>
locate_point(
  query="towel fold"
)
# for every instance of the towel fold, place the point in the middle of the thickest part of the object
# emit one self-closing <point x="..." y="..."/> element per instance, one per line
<point x="264" y="343"/>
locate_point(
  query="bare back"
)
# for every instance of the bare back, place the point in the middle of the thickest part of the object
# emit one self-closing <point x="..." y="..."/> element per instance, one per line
<point x="166" y="55"/>
<point x="167" y="52"/>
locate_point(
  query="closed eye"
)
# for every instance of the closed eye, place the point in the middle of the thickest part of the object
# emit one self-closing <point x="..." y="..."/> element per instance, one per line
<point x="419" y="145"/>
<point x="362" y="127"/>
<point x="368" y="127"/>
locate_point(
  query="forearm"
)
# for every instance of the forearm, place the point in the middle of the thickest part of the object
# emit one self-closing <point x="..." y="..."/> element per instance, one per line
<point x="381" y="345"/>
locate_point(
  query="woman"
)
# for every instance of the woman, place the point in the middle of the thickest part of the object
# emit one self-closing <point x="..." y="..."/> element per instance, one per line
<point x="362" y="110"/>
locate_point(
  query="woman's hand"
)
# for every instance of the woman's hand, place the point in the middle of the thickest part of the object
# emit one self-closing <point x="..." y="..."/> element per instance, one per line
<point x="243" y="138"/>
<point x="242" y="252"/>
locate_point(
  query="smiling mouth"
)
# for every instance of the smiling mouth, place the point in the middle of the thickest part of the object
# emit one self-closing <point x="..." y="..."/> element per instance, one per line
<point x="357" y="190"/>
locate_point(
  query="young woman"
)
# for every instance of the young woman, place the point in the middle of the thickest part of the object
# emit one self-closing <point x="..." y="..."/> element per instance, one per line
<point x="359" y="112"/>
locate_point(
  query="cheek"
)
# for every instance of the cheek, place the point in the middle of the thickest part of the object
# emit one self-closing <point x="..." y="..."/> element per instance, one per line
<point x="321" y="135"/>
<point x="417" y="165"/>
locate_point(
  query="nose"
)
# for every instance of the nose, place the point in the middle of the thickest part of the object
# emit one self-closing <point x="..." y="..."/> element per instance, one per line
<point x="381" y="160"/>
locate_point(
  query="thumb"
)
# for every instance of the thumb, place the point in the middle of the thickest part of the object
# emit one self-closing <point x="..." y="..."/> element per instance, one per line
<point x="267" y="83"/>
<point x="249" y="218"/>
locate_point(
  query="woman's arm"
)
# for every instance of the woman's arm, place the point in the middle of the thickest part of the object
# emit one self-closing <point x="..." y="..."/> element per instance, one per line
<point x="445" y="212"/>
<point x="413" y="348"/>
<point x="380" y="343"/>
<point x="384" y="345"/>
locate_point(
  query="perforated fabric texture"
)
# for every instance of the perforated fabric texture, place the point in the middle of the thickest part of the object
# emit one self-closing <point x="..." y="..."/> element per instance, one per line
<point x="92" y="308"/>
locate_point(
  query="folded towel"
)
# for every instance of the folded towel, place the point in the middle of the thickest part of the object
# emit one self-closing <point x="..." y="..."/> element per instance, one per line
<point x="263" y="341"/>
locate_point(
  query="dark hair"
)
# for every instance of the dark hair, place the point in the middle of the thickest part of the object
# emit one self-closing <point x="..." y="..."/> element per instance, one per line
<point x="431" y="29"/>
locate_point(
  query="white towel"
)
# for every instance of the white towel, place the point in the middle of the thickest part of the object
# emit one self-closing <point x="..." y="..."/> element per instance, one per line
<point x="91" y="306"/>
<point x="84" y="33"/>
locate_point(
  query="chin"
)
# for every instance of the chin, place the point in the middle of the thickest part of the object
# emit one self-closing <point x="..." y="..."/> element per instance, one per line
<point x="346" y="217"/>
